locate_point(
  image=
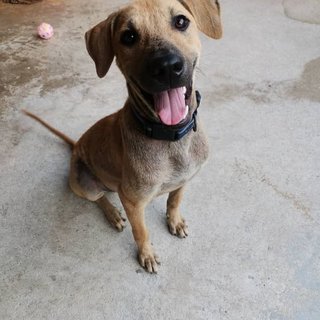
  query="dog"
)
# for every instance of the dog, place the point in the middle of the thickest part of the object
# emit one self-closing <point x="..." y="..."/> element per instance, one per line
<point x="155" y="144"/>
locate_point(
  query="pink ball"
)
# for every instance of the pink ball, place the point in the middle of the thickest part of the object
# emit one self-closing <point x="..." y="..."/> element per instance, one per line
<point x="45" y="31"/>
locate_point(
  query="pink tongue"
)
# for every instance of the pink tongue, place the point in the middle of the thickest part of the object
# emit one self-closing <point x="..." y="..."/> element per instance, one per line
<point x="170" y="106"/>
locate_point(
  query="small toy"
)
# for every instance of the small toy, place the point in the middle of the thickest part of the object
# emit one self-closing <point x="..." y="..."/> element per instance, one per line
<point x="45" y="31"/>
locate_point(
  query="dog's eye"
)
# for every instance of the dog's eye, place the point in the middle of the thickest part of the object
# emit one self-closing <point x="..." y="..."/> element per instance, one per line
<point x="181" y="22"/>
<point x="129" y="38"/>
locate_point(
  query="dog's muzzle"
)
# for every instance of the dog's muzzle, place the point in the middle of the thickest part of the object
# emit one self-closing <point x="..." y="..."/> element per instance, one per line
<point x="165" y="80"/>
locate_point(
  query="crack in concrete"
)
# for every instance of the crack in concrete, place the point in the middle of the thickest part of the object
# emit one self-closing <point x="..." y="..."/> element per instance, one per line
<point x="254" y="173"/>
<point x="288" y="196"/>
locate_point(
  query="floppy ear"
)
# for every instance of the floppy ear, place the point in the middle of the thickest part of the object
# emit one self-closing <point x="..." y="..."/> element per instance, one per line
<point x="207" y="16"/>
<point x="99" y="44"/>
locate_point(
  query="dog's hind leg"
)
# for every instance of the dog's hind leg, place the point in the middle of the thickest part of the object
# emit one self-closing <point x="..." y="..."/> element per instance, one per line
<point x="177" y="225"/>
<point x="84" y="184"/>
<point x="113" y="215"/>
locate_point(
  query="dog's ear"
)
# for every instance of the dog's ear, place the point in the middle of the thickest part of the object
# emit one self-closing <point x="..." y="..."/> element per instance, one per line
<point x="207" y="16"/>
<point x="99" y="44"/>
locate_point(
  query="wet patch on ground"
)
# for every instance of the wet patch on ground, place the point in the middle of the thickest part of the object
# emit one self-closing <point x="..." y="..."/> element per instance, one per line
<point x="31" y="65"/>
<point x="305" y="11"/>
<point x="308" y="86"/>
<point x="260" y="93"/>
<point x="17" y="72"/>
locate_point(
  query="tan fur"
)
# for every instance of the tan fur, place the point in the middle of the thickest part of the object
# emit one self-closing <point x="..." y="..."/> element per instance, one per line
<point x="53" y="130"/>
<point x="113" y="154"/>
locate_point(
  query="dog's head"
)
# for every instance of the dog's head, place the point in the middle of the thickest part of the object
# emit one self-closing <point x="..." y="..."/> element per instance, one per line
<point x="157" y="48"/>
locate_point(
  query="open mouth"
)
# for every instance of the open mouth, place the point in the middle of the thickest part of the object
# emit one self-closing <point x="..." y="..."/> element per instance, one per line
<point x="172" y="106"/>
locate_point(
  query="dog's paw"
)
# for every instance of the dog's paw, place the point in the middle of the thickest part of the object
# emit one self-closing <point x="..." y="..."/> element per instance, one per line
<point x="149" y="260"/>
<point x="116" y="220"/>
<point x="178" y="227"/>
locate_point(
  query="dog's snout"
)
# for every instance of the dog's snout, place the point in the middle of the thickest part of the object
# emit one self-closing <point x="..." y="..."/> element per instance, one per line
<point x="166" y="67"/>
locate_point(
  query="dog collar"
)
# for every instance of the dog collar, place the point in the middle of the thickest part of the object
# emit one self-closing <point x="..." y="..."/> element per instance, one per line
<point x="160" y="131"/>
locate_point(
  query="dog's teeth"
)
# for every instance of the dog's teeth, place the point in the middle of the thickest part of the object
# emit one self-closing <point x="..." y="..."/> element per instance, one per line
<point x="187" y="111"/>
<point x="184" y="90"/>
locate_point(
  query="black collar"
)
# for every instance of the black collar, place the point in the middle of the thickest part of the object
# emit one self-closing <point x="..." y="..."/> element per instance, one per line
<point x="160" y="131"/>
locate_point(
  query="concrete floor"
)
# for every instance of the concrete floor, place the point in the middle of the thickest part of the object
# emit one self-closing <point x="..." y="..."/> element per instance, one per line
<point x="253" y="211"/>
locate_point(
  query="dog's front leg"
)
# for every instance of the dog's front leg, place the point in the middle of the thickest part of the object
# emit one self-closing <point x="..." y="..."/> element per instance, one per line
<point x="135" y="212"/>
<point x="177" y="225"/>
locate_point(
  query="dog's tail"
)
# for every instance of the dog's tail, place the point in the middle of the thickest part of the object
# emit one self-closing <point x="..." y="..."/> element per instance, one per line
<point x="61" y="135"/>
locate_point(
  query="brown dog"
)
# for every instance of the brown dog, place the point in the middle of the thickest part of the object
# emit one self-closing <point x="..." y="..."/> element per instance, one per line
<point x="147" y="148"/>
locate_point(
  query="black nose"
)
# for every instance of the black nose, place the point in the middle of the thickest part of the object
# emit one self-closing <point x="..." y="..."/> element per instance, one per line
<point x="166" y="67"/>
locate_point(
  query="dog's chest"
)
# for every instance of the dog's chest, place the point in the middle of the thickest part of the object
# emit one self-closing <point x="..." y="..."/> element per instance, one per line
<point x="184" y="163"/>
